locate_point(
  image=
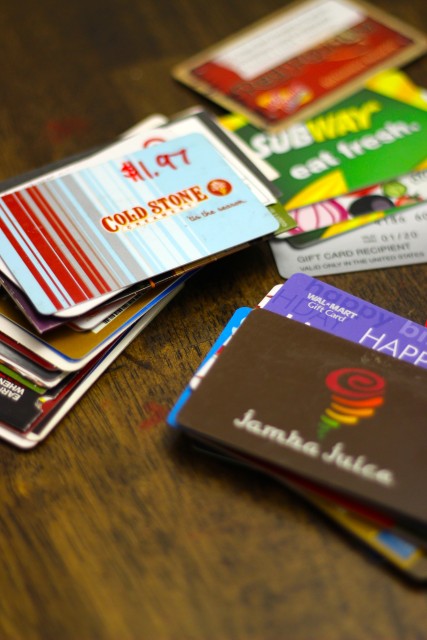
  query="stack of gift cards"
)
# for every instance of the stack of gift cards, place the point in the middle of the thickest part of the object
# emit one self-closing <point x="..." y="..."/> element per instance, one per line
<point x="325" y="392"/>
<point x="91" y="251"/>
<point x="314" y="91"/>
<point x="360" y="162"/>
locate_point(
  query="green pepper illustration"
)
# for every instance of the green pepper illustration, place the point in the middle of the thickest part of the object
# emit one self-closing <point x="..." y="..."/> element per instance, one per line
<point x="394" y="189"/>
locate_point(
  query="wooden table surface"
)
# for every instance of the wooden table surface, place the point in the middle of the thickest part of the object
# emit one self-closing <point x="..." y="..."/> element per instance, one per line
<point x="115" y="528"/>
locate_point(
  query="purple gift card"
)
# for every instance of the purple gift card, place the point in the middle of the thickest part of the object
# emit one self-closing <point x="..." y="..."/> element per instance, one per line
<point x="40" y="322"/>
<point x="320" y="305"/>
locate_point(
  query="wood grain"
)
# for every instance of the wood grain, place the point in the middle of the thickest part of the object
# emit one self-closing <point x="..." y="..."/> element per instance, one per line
<point x="116" y="528"/>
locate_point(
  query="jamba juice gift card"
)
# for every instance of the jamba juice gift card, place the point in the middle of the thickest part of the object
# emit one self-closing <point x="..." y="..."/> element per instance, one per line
<point x="346" y="417"/>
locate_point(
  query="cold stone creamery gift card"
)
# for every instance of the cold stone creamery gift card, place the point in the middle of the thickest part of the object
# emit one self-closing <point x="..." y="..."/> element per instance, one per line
<point x="329" y="410"/>
<point x="103" y="228"/>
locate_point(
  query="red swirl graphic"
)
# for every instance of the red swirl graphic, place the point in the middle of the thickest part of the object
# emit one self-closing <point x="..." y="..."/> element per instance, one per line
<point x="356" y="394"/>
<point x="355" y="383"/>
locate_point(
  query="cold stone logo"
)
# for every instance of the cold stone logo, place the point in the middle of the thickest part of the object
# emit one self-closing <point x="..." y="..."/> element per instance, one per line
<point x="155" y="210"/>
<point x="356" y="395"/>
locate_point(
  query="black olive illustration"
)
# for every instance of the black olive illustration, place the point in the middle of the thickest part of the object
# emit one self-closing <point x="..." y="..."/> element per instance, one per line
<point x="368" y="204"/>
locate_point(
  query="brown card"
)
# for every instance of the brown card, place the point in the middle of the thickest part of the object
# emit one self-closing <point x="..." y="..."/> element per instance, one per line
<point x="327" y="409"/>
<point x="300" y="60"/>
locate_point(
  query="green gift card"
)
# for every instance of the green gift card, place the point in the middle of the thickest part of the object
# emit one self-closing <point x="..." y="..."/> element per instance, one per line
<point x="375" y="135"/>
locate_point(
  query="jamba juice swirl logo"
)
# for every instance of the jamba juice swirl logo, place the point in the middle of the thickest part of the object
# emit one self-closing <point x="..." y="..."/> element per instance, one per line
<point x="356" y="394"/>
